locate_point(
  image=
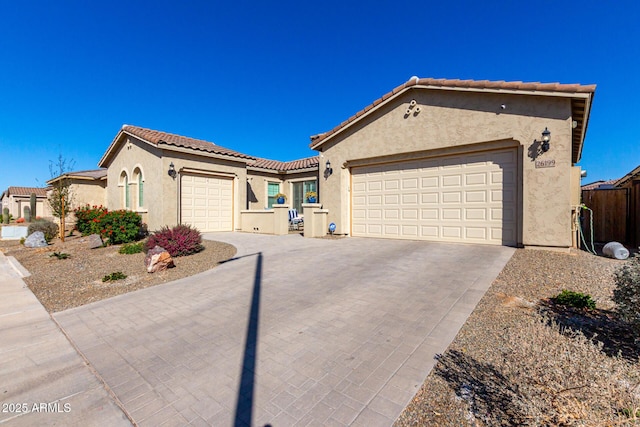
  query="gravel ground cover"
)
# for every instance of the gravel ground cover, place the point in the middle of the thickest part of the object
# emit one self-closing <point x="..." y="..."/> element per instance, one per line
<point x="521" y="360"/>
<point x="61" y="284"/>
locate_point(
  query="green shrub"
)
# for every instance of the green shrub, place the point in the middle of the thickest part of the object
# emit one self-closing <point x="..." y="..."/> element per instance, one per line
<point x="114" y="276"/>
<point x="60" y="255"/>
<point x="117" y="227"/>
<point x="178" y="241"/>
<point x="50" y="229"/>
<point x="574" y="299"/>
<point x="626" y="294"/>
<point x="132" y="248"/>
<point x="88" y="219"/>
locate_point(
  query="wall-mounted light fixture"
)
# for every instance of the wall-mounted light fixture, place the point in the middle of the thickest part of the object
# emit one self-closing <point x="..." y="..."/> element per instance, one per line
<point x="172" y="171"/>
<point x="328" y="170"/>
<point x="546" y="137"/>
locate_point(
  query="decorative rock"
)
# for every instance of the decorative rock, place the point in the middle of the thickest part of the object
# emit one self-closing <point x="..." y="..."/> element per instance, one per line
<point x="158" y="259"/>
<point x="94" y="241"/>
<point x="36" y="240"/>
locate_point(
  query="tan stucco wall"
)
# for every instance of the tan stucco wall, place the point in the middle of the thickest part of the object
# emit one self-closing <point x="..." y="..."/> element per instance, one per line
<point x="88" y="193"/>
<point x="257" y="183"/>
<point x="161" y="192"/>
<point x="132" y="153"/>
<point x="257" y="221"/>
<point x="467" y="121"/>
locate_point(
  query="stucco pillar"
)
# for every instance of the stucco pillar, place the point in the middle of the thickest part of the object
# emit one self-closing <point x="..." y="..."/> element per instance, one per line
<point x="280" y="219"/>
<point x="315" y="220"/>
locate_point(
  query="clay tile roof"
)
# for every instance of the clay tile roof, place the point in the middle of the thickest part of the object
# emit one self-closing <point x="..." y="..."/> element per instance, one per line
<point x="316" y="140"/>
<point x="599" y="185"/>
<point x="26" y="191"/>
<point x="158" y="137"/>
<point x="275" y="165"/>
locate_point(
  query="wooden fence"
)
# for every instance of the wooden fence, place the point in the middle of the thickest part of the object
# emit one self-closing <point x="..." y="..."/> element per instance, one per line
<point x="610" y="214"/>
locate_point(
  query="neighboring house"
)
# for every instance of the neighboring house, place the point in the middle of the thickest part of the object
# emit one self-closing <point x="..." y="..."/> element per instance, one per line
<point x="88" y="187"/>
<point x="599" y="185"/>
<point x="16" y="198"/>
<point x="171" y="179"/>
<point x="459" y="161"/>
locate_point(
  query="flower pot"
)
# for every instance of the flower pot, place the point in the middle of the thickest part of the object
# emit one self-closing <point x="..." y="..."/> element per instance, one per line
<point x="280" y="200"/>
<point x="311" y="199"/>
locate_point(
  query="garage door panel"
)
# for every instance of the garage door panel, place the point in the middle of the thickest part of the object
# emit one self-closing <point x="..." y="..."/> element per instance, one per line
<point x="475" y="233"/>
<point x="470" y="198"/>
<point x="475" y="214"/>
<point x="429" y="232"/>
<point x="206" y="202"/>
<point x="430" y="198"/>
<point x="451" y="180"/>
<point x="475" y="179"/>
<point x="374" y="186"/>
<point x="430" y="182"/>
<point x="374" y="200"/>
<point x="429" y="213"/>
<point x="479" y="196"/>
<point x="392" y="184"/>
<point x="451" y="197"/>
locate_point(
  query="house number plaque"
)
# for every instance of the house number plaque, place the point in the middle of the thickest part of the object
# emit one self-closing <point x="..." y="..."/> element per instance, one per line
<point x="545" y="164"/>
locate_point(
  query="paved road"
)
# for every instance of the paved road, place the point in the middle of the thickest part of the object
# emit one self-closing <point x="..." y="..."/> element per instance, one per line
<point x="292" y="331"/>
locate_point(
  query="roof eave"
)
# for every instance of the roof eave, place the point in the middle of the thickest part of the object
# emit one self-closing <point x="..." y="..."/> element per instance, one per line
<point x="585" y="123"/>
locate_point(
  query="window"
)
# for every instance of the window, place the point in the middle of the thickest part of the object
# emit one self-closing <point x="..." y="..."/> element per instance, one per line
<point x="300" y="188"/>
<point x="139" y="182"/>
<point x="140" y="191"/>
<point x="273" y="188"/>
<point x="124" y="183"/>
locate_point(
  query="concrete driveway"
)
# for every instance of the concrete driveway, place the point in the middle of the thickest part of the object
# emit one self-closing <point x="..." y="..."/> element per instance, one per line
<point x="292" y="331"/>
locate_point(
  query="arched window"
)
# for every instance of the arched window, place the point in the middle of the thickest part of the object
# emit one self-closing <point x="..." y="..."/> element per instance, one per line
<point x="139" y="182"/>
<point x="124" y="183"/>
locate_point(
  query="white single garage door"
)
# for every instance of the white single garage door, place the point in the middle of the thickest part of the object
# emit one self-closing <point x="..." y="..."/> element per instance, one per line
<point x="206" y="202"/>
<point x="465" y="198"/>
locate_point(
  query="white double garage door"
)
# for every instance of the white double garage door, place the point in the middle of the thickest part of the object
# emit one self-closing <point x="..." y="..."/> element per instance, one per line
<point x="206" y="202"/>
<point x="464" y="198"/>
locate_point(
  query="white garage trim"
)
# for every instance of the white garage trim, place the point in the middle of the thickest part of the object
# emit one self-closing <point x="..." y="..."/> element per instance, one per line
<point x="207" y="201"/>
<point x="469" y="198"/>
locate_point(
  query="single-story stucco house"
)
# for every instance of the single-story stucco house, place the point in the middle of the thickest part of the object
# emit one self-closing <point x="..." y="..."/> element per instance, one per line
<point x="17" y="198"/>
<point x="460" y="161"/>
<point x="88" y="187"/>
<point x="171" y="179"/>
<point x="466" y="161"/>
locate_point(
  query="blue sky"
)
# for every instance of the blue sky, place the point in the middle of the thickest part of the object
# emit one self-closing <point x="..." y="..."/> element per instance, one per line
<point x="261" y="77"/>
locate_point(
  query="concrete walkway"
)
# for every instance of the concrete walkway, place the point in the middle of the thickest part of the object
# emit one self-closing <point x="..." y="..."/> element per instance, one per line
<point x="43" y="380"/>
<point x="292" y="331"/>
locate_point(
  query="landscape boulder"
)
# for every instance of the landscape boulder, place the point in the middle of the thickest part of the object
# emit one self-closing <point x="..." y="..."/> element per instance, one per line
<point x="94" y="241"/>
<point x="36" y="240"/>
<point x="158" y="259"/>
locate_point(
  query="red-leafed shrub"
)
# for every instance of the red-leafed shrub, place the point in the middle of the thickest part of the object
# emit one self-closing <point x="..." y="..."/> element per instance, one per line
<point x="178" y="241"/>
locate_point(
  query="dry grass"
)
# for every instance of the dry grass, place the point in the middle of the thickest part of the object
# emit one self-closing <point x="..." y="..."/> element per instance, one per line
<point x="522" y="361"/>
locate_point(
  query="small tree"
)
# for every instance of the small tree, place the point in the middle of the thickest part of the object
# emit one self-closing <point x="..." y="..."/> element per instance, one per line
<point x="60" y="198"/>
